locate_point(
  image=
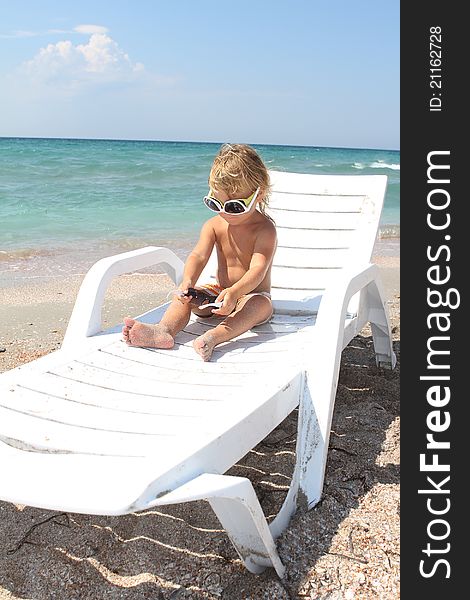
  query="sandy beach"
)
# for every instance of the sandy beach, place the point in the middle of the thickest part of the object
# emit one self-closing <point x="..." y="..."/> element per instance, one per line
<point x="347" y="547"/>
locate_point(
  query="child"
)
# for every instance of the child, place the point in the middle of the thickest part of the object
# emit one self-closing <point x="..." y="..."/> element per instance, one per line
<point x="245" y="239"/>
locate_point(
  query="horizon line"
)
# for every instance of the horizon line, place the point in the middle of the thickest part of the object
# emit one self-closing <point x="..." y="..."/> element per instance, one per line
<point x="99" y="139"/>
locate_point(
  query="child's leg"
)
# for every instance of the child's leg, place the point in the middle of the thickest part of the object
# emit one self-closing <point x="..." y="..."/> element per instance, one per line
<point x="250" y="311"/>
<point x="160" y="335"/>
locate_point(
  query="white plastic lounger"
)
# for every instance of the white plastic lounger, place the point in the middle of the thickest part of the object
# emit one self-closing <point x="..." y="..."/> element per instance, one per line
<point x="98" y="427"/>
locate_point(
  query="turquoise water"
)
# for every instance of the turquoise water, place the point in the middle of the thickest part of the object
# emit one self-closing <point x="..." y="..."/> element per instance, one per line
<point x="69" y="202"/>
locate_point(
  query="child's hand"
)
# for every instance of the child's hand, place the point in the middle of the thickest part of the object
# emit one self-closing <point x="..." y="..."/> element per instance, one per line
<point x="184" y="299"/>
<point x="229" y="301"/>
<point x="184" y="285"/>
<point x="182" y="290"/>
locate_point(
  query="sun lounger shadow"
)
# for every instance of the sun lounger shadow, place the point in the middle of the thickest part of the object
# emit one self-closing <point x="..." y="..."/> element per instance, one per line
<point x="258" y="340"/>
<point x="98" y="427"/>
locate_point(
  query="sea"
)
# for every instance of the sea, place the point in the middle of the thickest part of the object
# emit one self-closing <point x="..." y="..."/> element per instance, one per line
<point x="65" y="203"/>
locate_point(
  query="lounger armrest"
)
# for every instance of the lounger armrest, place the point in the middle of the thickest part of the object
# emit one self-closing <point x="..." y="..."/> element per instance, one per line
<point x="335" y="299"/>
<point x="85" y="320"/>
<point x="324" y="362"/>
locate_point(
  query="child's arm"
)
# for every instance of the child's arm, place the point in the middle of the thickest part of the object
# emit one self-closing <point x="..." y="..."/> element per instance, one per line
<point x="263" y="253"/>
<point x="199" y="256"/>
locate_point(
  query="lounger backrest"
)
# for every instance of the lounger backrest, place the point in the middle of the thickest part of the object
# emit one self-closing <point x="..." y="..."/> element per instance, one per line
<point x="324" y="224"/>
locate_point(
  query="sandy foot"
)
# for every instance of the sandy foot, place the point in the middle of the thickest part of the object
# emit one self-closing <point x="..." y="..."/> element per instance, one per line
<point x="140" y="334"/>
<point x="204" y="345"/>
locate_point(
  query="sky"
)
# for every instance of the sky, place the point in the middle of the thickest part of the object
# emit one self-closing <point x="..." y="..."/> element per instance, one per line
<point x="291" y="72"/>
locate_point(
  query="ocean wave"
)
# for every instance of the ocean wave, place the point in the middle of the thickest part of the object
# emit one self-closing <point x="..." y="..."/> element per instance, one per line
<point x="23" y="254"/>
<point x="383" y="165"/>
<point x="357" y="165"/>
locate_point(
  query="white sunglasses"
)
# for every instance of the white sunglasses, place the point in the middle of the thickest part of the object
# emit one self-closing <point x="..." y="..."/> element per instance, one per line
<point x="230" y="207"/>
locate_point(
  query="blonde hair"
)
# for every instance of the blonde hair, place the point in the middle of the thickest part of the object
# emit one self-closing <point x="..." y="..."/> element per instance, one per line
<point x="237" y="168"/>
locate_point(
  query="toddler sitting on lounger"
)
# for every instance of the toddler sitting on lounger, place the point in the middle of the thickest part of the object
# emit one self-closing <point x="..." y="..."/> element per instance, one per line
<point x="245" y="239"/>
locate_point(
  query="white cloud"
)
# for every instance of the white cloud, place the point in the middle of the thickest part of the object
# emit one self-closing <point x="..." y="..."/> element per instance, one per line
<point x="90" y="29"/>
<point x="83" y="29"/>
<point x="19" y="33"/>
<point x="27" y="34"/>
<point x="100" y="60"/>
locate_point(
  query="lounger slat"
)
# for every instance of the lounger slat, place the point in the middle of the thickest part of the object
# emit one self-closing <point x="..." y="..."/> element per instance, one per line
<point x="135" y="368"/>
<point x="316" y="220"/>
<point x="62" y="410"/>
<point x="303" y="278"/>
<point x="315" y="202"/>
<point x="249" y="360"/>
<point x="278" y="324"/>
<point x="296" y="293"/>
<point x="234" y="350"/>
<point x="137" y="385"/>
<point x="47" y="435"/>
<point x="190" y="362"/>
<point x="326" y="185"/>
<point x="299" y="301"/>
<point x="43" y="435"/>
<point x="307" y="238"/>
<point x="87" y="393"/>
<point x="311" y="257"/>
<point x="250" y="341"/>
<point x="250" y="337"/>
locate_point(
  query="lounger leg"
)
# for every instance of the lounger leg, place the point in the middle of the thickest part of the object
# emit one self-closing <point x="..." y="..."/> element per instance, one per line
<point x="380" y="326"/>
<point x="315" y="413"/>
<point x="313" y="439"/>
<point x="307" y="479"/>
<point x="242" y="518"/>
<point x="237" y="507"/>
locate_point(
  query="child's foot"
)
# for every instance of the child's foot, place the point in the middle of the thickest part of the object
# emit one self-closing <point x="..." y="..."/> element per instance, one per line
<point x="204" y="345"/>
<point x="140" y="334"/>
